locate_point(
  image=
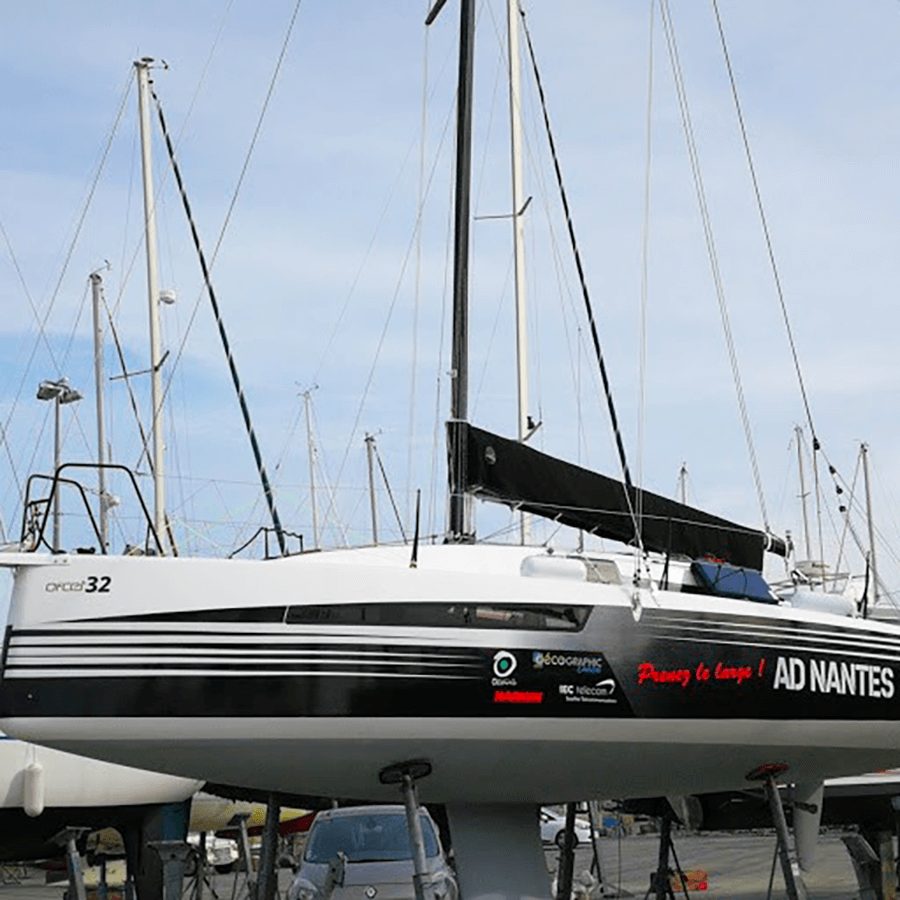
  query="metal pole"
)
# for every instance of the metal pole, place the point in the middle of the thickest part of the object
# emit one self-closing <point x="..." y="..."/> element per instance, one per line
<point x="594" y="815"/>
<point x="864" y="450"/>
<point x="142" y="67"/>
<point x="311" y="452"/>
<point x="267" y="882"/>
<point x="518" y="219"/>
<point x="201" y="867"/>
<point x="76" y="875"/>
<point x="790" y="868"/>
<point x="246" y="856"/>
<point x="567" y="857"/>
<point x="803" y="495"/>
<point x="663" y="888"/>
<point x="370" y="452"/>
<point x="682" y="483"/>
<point x="96" y="297"/>
<point x="460" y="526"/>
<point x="421" y="878"/>
<point x="57" y="453"/>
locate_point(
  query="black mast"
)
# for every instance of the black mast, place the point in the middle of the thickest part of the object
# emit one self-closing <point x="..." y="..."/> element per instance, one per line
<point x="460" y="527"/>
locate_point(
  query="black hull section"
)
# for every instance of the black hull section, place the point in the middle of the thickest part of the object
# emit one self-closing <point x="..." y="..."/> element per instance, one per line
<point x="667" y="665"/>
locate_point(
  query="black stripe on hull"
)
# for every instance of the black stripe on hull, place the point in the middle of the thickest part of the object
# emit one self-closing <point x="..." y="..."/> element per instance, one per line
<point x="680" y="665"/>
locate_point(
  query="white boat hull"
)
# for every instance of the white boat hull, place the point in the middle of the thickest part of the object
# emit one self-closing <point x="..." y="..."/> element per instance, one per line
<point x="310" y="675"/>
<point x="481" y="761"/>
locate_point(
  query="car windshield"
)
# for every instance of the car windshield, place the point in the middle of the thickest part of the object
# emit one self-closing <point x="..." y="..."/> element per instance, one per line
<point x="374" y="837"/>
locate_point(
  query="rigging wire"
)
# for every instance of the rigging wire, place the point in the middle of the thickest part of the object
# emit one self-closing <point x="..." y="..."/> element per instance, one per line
<point x="765" y="226"/>
<point x="845" y="509"/>
<point x="390" y="494"/>
<point x="237" y="188"/>
<point x="417" y="279"/>
<point x="226" y="346"/>
<point x="42" y="322"/>
<point x="595" y="338"/>
<point x="390" y="312"/>
<point x="439" y="373"/>
<point x="706" y="221"/>
<point x="776" y="276"/>
<point x="620" y="446"/>
<point x="645" y="271"/>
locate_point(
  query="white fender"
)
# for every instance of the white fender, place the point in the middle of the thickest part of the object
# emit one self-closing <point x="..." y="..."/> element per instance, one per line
<point x="807" y="817"/>
<point x="33" y="789"/>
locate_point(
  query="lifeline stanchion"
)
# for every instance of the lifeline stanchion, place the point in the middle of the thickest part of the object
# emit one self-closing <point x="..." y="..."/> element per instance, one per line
<point x="406" y="774"/>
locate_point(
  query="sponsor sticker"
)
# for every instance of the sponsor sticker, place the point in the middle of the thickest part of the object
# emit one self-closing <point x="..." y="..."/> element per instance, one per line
<point x="834" y="676"/>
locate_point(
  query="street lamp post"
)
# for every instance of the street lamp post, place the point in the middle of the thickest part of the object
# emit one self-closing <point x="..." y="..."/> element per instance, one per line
<point x="60" y="392"/>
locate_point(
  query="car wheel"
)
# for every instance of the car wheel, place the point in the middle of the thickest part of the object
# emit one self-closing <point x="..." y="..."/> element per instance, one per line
<point x="560" y="839"/>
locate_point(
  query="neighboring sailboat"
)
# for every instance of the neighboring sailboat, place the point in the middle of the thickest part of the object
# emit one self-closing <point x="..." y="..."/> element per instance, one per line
<point x="44" y="791"/>
<point x="511" y="675"/>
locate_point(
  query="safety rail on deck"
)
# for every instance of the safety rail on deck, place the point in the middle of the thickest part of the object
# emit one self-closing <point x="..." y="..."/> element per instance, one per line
<point x="36" y="511"/>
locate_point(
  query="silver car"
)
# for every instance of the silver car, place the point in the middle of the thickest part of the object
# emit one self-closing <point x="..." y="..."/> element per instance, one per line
<point x="363" y="853"/>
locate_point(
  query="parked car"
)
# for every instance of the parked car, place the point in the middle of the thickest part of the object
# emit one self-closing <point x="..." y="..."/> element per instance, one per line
<point x="553" y="828"/>
<point x="363" y="853"/>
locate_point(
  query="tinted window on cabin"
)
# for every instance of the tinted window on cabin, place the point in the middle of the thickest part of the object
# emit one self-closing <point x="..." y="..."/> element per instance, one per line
<point x="444" y="615"/>
<point x="734" y="582"/>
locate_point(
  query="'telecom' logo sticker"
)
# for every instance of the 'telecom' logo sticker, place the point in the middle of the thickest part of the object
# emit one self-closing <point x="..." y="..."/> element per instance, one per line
<point x="504" y="664"/>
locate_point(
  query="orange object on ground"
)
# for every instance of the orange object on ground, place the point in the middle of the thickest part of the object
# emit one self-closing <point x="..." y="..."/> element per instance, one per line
<point x="695" y="880"/>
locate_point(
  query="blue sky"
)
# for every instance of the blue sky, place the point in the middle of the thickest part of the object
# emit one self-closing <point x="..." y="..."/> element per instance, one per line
<point x="325" y="223"/>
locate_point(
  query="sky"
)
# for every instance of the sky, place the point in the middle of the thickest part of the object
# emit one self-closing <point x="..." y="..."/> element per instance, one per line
<point x="332" y="273"/>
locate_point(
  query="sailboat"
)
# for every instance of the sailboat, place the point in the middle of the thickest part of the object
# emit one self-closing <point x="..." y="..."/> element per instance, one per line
<point x="510" y="675"/>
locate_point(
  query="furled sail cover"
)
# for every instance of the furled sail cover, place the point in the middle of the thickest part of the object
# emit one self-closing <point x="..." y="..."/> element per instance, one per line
<point x="506" y="471"/>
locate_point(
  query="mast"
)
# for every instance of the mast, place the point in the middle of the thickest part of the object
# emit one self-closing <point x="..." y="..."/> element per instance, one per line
<point x="803" y="494"/>
<point x="682" y="483"/>
<point x="142" y="67"/>
<point x="96" y="296"/>
<point x="370" y="453"/>
<point x="518" y="205"/>
<point x="864" y="452"/>
<point x="311" y="453"/>
<point x="460" y="525"/>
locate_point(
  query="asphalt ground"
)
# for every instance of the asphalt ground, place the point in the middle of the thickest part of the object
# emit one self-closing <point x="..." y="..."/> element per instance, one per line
<point x="738" y="866"/>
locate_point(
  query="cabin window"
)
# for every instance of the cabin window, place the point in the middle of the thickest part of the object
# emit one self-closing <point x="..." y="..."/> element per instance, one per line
<point x="734" y="582"/>
<point x="528" y="617"/>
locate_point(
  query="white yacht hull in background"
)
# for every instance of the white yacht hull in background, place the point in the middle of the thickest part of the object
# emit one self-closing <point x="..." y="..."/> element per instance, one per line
<point x="44" y="790"/>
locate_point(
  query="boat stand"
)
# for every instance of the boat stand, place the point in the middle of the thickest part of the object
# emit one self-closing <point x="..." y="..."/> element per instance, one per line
<point x="794" y="886"/>
<point x="661" y="880"/>
<point x="406" y="774"/>
<point x="875" y="869"/>
<point x="866" y="865"/>
<point x="267" y="876"/>
<point x="566" y="867"/>
<point x="496" y="847"/>
<point x="246" y="859"/>
<point x="67" y="838"/>
<point x="201" y="877"/>
<point x="174" y="856"/>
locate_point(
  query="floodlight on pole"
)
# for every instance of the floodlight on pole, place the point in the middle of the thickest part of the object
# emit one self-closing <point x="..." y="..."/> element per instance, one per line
<point x="61" y="393"/>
